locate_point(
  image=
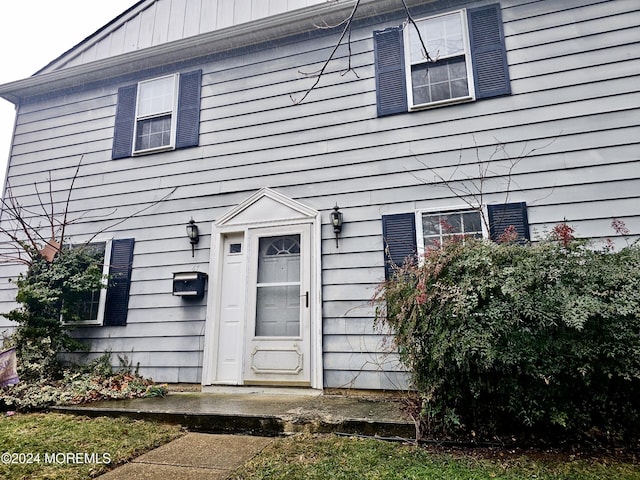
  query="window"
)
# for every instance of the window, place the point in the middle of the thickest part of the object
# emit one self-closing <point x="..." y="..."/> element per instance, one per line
<point x="470" y="60"/>
<point x="109" y="306"/>
<point x="90" y="307"/>
<point x="407" y="235"/>
<point x="436" y="228"/>
<point x="158" y="114"/>
<point x="155" y="114"/>
<point x="278" y="287"/>
<point x="447" y="78"/>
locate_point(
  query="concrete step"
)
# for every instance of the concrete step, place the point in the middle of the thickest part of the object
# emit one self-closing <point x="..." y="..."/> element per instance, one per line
<point x="264" y="413"/>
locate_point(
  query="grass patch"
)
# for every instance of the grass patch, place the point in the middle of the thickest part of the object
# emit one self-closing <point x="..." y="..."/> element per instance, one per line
<point x="97" y="444"/>
<point x="336" y="458"/>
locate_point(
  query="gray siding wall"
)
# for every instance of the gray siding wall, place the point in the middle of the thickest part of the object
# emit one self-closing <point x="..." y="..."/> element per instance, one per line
<point x="572" y="124"/>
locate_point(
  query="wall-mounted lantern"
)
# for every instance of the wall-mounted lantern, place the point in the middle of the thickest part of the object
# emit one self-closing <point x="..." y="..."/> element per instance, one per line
<point x="194" y="236"/>
<point x="336" y="221"/>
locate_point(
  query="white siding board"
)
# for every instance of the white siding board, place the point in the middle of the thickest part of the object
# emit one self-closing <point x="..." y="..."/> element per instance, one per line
<point x="117" y="41"/>
<point x="132" y="34"/>
<point x="192" y="18"/>
<point x="259" y="8"/>
<point x="277" y="6"/>
<point x="161" y="22"/>
<point x="208" y="18"/>
<point x="103" y="47"/>
<point x="225" y="16"/>
<point x="177" y="20"/>
<point x="147" y="22"/>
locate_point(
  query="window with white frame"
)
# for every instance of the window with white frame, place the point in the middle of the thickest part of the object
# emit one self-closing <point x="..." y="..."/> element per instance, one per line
<point x="435" y="228"/>
<point x="446" y="74"/>
<point x="155" y="123"/>
<point x="467" y="60"/>
<point x="90" y="307"/>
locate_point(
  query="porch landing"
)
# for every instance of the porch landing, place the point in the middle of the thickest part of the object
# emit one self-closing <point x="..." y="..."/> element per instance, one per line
<point x="265" y="412"/>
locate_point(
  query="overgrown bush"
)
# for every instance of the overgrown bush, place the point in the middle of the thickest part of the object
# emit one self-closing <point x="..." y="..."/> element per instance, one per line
<point x="541" y="339"/>
<point x="50" y="294"/>
<point x="96" y="381"/>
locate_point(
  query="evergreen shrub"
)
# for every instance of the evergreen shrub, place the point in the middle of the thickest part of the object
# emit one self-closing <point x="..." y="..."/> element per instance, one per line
<point x="504" y="338"/>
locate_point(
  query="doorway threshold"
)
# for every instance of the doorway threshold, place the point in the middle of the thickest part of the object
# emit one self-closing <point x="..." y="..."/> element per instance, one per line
<point x="260" y="390"/>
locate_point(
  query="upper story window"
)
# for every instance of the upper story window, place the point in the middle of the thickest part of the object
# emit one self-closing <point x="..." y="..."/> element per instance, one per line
<point x="158" y="114"/>
<point x="445" y="75"/>
<point x="467" y="60"/>
<point x="155" y="114"/>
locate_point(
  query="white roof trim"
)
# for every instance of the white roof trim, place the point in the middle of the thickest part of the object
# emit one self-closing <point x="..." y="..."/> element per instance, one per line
<point x="295" y="206"/>
<point x="238" y="36"/>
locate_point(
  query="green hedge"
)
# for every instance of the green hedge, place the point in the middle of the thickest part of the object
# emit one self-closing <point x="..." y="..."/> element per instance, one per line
<point x="509" y="338"/>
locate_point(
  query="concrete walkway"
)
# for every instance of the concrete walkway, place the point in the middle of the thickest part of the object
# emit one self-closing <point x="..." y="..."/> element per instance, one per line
<point x="195" y="456"/>
<point x="235" y="425"/>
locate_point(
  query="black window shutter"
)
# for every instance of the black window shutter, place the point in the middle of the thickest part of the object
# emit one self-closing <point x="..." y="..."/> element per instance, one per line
<point x="399" y="235"/>
<point x="117" y="304"/>
<point x="488" y="52"/>
<point x="391" y="89"/>
<point x="188" y="122"/>
<point x="505" y="215"/>
<point x="125" y="119"/>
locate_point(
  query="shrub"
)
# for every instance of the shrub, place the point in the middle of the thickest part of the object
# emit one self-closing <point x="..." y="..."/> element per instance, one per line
<point x="96" y="381"/>
<point x="48" y="293"/>
<point x="503" y="338"/>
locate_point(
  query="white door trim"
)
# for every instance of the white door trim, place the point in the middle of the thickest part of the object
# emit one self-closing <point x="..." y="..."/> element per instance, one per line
<point x="241" y="220"/>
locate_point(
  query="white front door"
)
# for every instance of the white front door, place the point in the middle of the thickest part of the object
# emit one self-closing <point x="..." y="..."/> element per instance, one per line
<point x="232" y="310"/>
<point x="278" y="333"/>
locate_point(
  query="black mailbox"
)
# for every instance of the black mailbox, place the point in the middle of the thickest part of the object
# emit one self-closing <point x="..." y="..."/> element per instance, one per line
<point x="189" y="284"/>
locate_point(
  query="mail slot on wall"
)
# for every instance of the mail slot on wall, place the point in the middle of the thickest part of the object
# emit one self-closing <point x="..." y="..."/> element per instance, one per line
<point x="189" y="284"/>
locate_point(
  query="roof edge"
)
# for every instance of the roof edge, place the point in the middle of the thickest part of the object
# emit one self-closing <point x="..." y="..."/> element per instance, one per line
<point x="238" y="36"/>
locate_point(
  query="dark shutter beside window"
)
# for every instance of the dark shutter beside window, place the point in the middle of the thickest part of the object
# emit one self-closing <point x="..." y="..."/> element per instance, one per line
<point x="390" y="73"/>
<point x="488" y="53"/>
<point x="399" y="235"/>
<point x="117" y="303"/>
<point x="503" y="216"/>
<point x="125" y="120"/>
<point x="188" y="122"/>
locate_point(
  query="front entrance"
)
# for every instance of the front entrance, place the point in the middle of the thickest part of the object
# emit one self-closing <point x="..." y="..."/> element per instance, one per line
<point x="262" y="328"/>
<point x="277" y="346"/>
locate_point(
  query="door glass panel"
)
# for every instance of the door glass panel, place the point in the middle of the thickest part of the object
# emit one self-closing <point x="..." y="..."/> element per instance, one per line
<point x="278" y="287"/>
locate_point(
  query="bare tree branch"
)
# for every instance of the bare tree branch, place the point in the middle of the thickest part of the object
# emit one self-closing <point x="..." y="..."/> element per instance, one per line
<point x="318" y="74"/>
<point x="25" y="238"/>
<point x="471" y="189"/>
<point x="346" y="32"/>
<point x="135" y="214"/>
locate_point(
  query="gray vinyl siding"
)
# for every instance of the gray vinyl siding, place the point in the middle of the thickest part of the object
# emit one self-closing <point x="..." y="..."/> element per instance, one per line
<point x="575" y="81"/>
